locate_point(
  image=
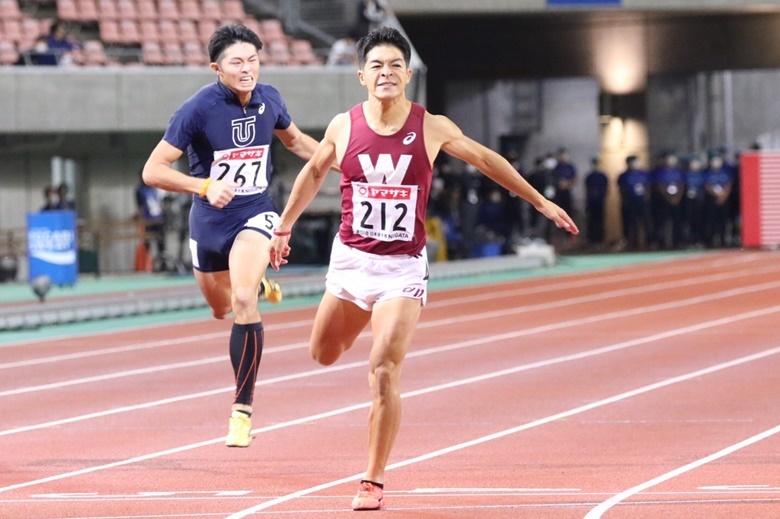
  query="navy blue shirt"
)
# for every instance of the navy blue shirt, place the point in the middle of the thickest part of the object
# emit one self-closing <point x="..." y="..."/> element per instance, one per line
<point x="596" y="185"/>
<point x="634" y="185"/>
<point x="226" y="141"/>
<point x="718" y="177"/>
<point x="694" y="184"/>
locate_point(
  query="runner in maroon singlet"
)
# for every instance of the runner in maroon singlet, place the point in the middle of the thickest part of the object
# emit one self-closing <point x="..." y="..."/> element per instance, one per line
<point x="378" y="270"/>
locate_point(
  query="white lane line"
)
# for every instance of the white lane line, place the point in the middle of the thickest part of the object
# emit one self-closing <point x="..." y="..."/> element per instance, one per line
<point x="536" y="423"/>
<point x="431" y="389"/>
<point x="451" y="347"/>
<point x="470" y="317"/>
<point x="599" y="510"/>
<point x="561" y="284"/>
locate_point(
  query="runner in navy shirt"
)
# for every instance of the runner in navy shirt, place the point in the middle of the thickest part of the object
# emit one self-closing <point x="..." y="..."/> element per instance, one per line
<point x="378" y="270"/>
<point x="227" y="128"/>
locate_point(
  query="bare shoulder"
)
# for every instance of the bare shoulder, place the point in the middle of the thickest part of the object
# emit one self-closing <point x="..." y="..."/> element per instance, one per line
<point x="440" y="128"/>
<point x="338" y="126"/>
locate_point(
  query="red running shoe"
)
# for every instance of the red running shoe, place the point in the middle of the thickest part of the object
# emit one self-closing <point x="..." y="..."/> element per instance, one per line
<point x="369" y="497"/>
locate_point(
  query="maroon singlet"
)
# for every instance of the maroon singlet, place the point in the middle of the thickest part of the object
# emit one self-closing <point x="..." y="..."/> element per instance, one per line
<point x="385" y="184"/>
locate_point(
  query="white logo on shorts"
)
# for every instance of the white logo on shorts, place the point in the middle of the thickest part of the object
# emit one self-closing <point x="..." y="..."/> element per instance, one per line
<point x="410" y="138"/>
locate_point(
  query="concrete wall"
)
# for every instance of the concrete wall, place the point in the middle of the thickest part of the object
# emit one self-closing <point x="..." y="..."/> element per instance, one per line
<point x="48" y="99"/>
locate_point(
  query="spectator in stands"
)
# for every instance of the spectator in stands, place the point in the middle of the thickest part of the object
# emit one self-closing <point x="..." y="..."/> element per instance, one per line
<point x="60" y="43"/>
<point x="39" y="54"/>
<point x="634" y="185"/>
<point x="343" y="51"/>
<point x="596" y="188"/>
<point x="51" y="199"/>
<point x="227" y="129"/>
<point x="492" y="219"/>
<point x="63" y="191"/>
<point x="378" y="272"/>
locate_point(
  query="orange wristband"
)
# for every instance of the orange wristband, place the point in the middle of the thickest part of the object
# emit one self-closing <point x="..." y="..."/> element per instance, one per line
<point x="204" y="187"/>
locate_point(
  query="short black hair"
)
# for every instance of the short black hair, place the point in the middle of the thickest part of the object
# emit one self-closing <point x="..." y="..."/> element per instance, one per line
<point x="229" y="34"/>
<point x="383" y="36"/>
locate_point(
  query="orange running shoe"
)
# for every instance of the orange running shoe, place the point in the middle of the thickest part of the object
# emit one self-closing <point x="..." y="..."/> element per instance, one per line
<point x="369" y="497"/>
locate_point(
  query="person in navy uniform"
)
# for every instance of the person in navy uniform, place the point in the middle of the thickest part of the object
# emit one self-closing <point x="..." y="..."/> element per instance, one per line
<point x="718" y="183"/>
<point x="693" y="203"/>
<point x="668" y="183"/>
<point x="226" y="129"/>
<point x="634" y="185"/>
<point x="378" y="270"/>
<point x="596" y="188"/>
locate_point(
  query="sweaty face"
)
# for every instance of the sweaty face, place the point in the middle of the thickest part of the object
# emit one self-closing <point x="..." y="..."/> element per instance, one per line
<point x="239" y="67"/>
<point x="385" y="73"/>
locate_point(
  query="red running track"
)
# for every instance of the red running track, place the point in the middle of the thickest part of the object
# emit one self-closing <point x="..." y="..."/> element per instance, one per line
<point x="637" y="392"/>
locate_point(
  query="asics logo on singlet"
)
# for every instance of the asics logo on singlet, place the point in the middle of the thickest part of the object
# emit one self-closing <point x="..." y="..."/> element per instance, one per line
<point x="384" y="171"/>
<point x="409" y="138"/>
<point x="261" y="109"/>
<point x="243" y="131"/>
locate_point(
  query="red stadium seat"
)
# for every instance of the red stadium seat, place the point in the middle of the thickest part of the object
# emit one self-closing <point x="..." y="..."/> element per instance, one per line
<point x="88" y="10"/>
<point x="109" y="31"/>
<point x="67" y="10"/>
<point x="303" y="53"/>
<point x="190" y="10"/>
<point x="194" y="54"/>
<point x="169" y="30"/>
<point x="272" y="29"/>
<point x="172" y="52"/>
<point x="12" y="30"/>
<point x="94" y="53"/>
<point x="107" y="10"/>
<point x="127" y="10"/>
<point x="205" y="29"/>
<point x="279" y="52"/>
<point x="147" y="10"/>
<point x="31" y="29"/>
<point x="9" y="9"/>
<point x="129" y="31"/>
<point x="233" y="10"/>
<point x="151" y="53"/>
<point x="168" y="10"/>
<point x="211" y="10"/>
<point x="149" y="31"/>
<point x="255" y="26"/>
<point x="188" y="31"/>
<point x="8" y="53"/>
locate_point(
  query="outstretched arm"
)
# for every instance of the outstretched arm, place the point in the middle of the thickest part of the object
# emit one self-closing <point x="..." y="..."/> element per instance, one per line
<point x="440" y="131"/>
<point x="307" y="184"/>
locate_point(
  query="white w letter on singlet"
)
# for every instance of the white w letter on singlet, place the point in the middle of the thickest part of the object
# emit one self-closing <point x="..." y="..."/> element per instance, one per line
<point x="384" y="169"/>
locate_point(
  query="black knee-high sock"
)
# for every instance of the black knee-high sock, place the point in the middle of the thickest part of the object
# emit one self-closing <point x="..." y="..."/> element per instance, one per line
<point x="246" y="349"/>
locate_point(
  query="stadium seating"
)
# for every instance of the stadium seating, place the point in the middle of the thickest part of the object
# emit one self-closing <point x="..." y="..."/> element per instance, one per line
<point x="145" y="32"/>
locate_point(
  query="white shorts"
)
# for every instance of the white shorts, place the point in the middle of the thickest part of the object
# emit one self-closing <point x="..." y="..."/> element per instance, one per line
<point x="365" y="279"/>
